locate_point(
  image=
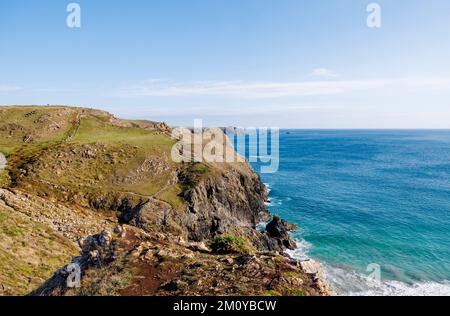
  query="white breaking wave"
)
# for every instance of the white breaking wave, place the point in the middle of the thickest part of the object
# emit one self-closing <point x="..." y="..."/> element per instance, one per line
<point x="301" y="252"/>
<point x="261" y="227"/>
<point x="348" y="283"/>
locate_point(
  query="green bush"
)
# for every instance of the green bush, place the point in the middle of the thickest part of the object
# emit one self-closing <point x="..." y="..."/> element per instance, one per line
<point x="230" y="244"/>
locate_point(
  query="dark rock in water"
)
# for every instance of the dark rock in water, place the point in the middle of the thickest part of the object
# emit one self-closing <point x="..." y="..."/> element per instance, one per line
<point x="292" y="227"/>
<point x="289" y="243"/>
<point x="278" y="230"/>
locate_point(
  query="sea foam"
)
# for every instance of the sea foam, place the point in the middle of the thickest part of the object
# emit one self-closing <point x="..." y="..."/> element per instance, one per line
<point x="346" y="283"/>
<point x="349" y="283"/>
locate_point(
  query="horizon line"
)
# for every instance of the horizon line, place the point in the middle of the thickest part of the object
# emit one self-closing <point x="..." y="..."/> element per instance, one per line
<point x="234" y="126"/>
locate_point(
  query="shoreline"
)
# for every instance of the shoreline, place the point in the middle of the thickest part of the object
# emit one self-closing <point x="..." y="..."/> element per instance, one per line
<point x="309" y="265"/>
<point x="341" y="282"/>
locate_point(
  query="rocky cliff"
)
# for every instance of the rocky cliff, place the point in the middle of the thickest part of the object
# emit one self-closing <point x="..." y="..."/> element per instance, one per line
<point x="180" y="228"/>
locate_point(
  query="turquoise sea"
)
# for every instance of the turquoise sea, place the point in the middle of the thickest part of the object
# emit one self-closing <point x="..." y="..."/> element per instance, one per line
<point x="368" y="199"/>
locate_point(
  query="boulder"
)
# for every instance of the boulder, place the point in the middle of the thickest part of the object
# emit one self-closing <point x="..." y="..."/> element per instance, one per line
<point x="198" y="246"/>
<point x="278" y="230"/>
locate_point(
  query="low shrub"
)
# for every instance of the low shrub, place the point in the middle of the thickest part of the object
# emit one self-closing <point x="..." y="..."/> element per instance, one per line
<point x="230" y="244"/>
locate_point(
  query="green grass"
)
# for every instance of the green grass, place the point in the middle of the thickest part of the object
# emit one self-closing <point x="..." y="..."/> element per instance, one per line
<point x="106" y="281"/>
<point x="143" y="143"/>
<point x="30" y="252"/>
<point x="172" y="196"/>
<point x="291" y="274"/>
<point x="26" y="124"/>
<point x="11" y="231"/>
<point x="7" y="149"/>
<point x="93" y="129"/>
<point x="127" y="150"/>
<point x="89" y="176"/>
<point x="4" y="179"/>
<point x="297" y="292"/>
<point x="201" y="168"/>
<point x="193" y="174"/>
<point x="228" y="244"/>
<point x="271" y="293"/>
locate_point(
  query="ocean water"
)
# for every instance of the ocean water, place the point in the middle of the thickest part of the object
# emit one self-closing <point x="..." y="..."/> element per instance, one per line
<point x="366" y="200"/>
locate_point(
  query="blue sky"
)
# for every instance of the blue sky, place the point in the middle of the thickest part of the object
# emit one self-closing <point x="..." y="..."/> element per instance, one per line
<point x="285" y="63"/>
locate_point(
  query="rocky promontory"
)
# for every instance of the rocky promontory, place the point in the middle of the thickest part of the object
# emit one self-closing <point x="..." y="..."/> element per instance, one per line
<point x="83" y="187"/>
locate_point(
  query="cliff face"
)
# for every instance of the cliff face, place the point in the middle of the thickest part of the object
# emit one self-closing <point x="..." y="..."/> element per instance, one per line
<point x="218" y="203"/>
<point x="78" y="170"/>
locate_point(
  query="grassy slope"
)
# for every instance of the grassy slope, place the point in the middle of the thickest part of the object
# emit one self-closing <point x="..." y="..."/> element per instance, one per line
<point x="19" y="121"/>
<point x="30" y="252"/>
<point x="149" y="144"/>
<point x="77" y="174"/>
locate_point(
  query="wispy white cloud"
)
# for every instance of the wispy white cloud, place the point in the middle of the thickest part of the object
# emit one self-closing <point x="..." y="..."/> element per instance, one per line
<point x="8" y="88"/>
<point x="255" y="90"/>
<point x="230" y="110"/>
<point x="324" y="73"/>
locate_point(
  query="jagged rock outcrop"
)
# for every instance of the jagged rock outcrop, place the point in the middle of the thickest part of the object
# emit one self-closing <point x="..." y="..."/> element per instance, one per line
<point x="231" y="201"/>
<point x="72" y="223"/>
<point x="278" y="230"/>
<point x="315" y="271"/>
<point x="96" y="251"/>
<point x="216" y="204"/>
<point x="166" y="265"/>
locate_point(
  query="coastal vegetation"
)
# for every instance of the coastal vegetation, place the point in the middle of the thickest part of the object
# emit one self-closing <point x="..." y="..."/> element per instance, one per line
<point x="83" y="187"/>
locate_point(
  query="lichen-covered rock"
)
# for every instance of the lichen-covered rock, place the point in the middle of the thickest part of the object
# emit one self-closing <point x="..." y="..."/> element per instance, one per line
<point x="315" y="270"/>
<point x="233" y="198"/>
